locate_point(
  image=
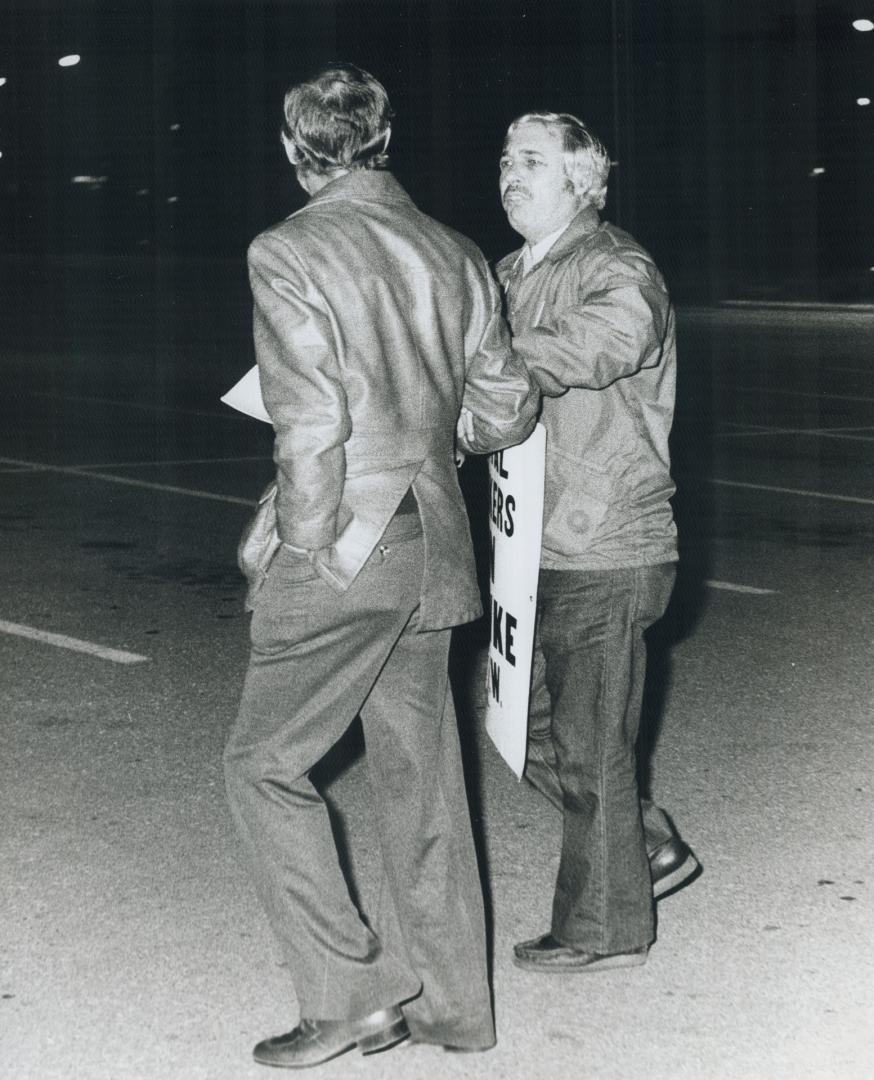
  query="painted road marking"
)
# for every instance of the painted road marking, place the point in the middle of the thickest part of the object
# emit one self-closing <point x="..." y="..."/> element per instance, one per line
<point x="728" y="586"/>
<point x="142" y="406"/>
<point x="793" y="491"/>
<point x="847" y="370"/>
<point x="181" y="461"/>
<point x="824" y="433"/>
<point x="61" y="641"/>
<point x="75" y="470"/>
<point x="800" y="393"/>
<point x="849" y="434"/>
<point x="770" y="427"/>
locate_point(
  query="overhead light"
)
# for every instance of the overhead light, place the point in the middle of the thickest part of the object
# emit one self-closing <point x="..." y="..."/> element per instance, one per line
<point x="863" y="25"/>
<point x="2" y="80"/>
<point x="817" y="170"/>
<point x="69" y="61"/>
<point x="863" y="101"/>
<point x="172" y="198"/>
<point x="90" y="183"/>
<point x="175" y="127"/>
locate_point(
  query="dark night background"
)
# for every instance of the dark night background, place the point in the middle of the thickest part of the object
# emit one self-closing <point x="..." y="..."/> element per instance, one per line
<point x="131" y="945"/>
<point x="717" y="113"/>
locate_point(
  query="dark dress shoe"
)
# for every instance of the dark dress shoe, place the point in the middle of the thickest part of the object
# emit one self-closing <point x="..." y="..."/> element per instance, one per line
<point x="315" y="1041"/>
<point x="672" y="865"/>
<point x="547" y="954"/>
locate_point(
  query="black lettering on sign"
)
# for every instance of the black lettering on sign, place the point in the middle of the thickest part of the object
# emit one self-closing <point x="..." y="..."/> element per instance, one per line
<point x="495" y="680"/>
<point x="503" y="631"/>
<point x="496" y="503"/>
<point x="492" y="557"/>
<point x="501" y="509"/>
<point x="509" y="630"/>
<point x="497" y="619"/>
<point x="499" y="461"/>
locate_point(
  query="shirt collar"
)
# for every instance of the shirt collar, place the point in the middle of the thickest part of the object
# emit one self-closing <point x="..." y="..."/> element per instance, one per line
<point x="531" y="254"/>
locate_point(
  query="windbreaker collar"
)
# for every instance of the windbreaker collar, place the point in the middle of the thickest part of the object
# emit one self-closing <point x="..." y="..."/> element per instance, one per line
<point x="586" y="222"/>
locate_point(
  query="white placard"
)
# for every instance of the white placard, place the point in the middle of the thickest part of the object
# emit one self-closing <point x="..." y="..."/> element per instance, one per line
<point x="245" y="396"/>
<point x="515" y="532"/>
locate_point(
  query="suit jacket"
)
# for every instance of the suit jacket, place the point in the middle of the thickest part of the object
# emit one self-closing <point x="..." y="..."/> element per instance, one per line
<point x="374" y="326"/>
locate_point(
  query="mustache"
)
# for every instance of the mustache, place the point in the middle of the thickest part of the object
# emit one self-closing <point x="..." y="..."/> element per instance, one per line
<point x="514" y="189"/>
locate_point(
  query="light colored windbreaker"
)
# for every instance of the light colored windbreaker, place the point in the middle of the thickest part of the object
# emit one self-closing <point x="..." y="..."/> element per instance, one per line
<point x="594" y="326"/>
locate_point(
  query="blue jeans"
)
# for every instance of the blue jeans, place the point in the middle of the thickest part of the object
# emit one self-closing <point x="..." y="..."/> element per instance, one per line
<point x="318" y="659"/>
<point x="587" y="691"/>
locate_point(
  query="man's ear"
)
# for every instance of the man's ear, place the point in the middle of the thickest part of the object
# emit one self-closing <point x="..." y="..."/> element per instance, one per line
<point x="299" y="171"/>
<point x="288" y="146"/>
<point x="387" y="138"/>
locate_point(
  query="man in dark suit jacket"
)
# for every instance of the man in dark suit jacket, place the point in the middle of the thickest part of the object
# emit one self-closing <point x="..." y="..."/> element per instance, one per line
<point x="376" y="330"/>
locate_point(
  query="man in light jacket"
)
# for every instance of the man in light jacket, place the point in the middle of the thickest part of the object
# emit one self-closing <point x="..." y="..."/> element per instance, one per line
<point x="593" y="323"/>
<point x="375" y="329"/>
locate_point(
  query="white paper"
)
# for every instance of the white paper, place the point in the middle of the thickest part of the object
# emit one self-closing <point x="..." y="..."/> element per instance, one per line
<point x="245" y="396"/>
<point x="516" y="479"/>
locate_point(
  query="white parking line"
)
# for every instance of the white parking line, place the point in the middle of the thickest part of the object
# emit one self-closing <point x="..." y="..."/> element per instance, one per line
<point x="142" y="406"/>
<point x="793" y="491"/>
<point x="61" y="641"/>
<point x="728" y="586"/>
<point x="745" y="426"/>
<point x="800" y="393"/>
<point x="76" y="470"/>
<point x="158" y="462"/>
<point x="821" y="433"/>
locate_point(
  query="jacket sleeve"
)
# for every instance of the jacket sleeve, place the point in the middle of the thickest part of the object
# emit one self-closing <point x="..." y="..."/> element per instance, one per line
<point x="302" y="391"/>
<point x="500" y="403"/>
<point x="614" y="330"/>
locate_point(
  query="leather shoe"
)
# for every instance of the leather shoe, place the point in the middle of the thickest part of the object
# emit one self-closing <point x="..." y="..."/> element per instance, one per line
<point x="672" y="865"/>
<point x="546" y="953"/>
<point x="447" y="1048"/>
<point x="315" y="1041"/>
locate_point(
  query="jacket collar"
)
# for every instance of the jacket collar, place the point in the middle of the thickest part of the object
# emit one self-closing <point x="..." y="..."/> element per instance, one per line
<point x="370" y="185"/>
<point x="586" y="222"/>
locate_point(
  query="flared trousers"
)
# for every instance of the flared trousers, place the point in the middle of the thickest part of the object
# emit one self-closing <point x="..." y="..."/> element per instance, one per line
<point x="320" y="658"/>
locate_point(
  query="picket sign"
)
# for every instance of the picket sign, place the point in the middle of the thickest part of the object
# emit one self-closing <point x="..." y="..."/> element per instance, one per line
<point x="516" y="479"/>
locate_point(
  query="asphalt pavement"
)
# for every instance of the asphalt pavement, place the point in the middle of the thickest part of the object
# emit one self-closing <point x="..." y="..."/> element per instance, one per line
<point x="131" y="943"/>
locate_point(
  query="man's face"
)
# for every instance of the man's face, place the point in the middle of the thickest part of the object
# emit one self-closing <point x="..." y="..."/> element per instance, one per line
<point x="535" y="191"/>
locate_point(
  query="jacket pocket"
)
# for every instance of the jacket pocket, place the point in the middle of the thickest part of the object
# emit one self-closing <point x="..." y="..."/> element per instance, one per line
<point x="258" y="544"/>
<point x="576" y="502"/>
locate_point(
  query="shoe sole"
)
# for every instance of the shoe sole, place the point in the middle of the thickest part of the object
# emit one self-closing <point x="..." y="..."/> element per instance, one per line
<point x="385" y="1039"/>
<point x="604" y="963"/>
<point x="685" y="873"/>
